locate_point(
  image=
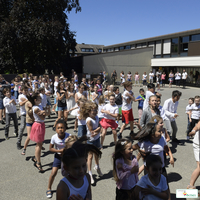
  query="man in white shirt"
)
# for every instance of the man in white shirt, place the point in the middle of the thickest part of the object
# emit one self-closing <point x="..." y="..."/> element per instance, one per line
<point x="151" y="75"/>
<point x="184" y="77"/>
<point x="170" y="107"/>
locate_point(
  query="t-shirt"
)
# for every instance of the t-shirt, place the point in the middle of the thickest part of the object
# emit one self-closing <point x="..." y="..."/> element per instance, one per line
<point x="195" y="111"/>
<point x="62" y="102"/>
<point x="163" y="76"/>
<point x="177" y="76"/>
<point x="100" y="114"/>
<point x="184" y="75"/>
<point x="146" y="101"/>
<point x="80" y="121"/>
<point x="44" y="100"/>
<point x="125" y="104"/>
<point x="144" y="77"/>
<point x="188" y="108"/>
<point x="55" y="87"/>
<point x="59" y="143"/>
<point x="22" y="108"/>
<point x="95" y="125"/>
<point x="196" y="138"/>
<point x="140" y="102"/>
<point x="145" y="181"/>
<point x="151" y="75"/>
<point x="97" y="98"/>
<point x="155" y="149"/>
<point x="36" y="116"/>
<point x="113" y="110"/>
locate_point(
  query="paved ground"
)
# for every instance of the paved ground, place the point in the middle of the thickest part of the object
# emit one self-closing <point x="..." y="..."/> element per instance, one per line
<point x="20" y="180"/>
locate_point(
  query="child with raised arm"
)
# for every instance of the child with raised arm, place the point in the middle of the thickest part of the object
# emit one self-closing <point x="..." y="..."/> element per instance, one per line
<point x="125" y="169"/>
<point x="127" y="113"/>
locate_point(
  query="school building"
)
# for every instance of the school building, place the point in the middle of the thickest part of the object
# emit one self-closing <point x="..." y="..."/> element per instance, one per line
<point x="176" y="51"/>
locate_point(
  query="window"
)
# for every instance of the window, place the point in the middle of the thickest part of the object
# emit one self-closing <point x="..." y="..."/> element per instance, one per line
<point x="138" y="46"/>
<point x="158" y="47"/>
<point x="116" y="49"/>
<point x="144" y="44"/>
<point x="175" y="41"/>
<point x="99" y="50"/>
<point x="195" y="37"/>
<point x="166" y="46"/>
<point x="104" y="50"/>
<point x="150" y="44"/>
<point x="121" y="48"/>
<point x="87" y="50"/>
<point x="127" y="47"/>
<point x="166" y="56"/>
<point x="174" y="46"/>
<point x="184" y="39"/>
<point x="184" y="47"/>
<point x="133" y="46"/>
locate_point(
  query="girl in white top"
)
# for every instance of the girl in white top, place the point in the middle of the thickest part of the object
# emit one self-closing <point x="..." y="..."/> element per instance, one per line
<point x="57" y="146"/>
<point x="100" y="107"/>
<point x="122" y="77"/>
<point x="111" y="112"/>
<point x="76" y="183"/>
<point x="95" y="95"/>
<point x="151" y="186"/>
<point x="129" y="76"/>
<point x="196" y="147"/>
<point x="38" y="128"/>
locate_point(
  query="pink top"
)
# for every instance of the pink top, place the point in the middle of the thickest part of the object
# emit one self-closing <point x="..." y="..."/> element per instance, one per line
<point x="137" y="77"/>
<point x="163" y="76"/>
<point x="126" y="180"/>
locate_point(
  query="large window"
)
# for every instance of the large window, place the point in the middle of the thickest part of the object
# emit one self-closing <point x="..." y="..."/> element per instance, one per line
<point x="158" y="47"/>
<point x="167" y="46"/>
<point x="121" y="48"/>
<point x="87" y="50"/>
<point x="184" y="45"/>
<point x="195" y="37"/>
<point x="128" y="47"/>
<point x="174" y="46"/>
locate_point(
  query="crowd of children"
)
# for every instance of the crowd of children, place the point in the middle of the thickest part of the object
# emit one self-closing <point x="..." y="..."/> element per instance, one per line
<point x="96" y="110"/>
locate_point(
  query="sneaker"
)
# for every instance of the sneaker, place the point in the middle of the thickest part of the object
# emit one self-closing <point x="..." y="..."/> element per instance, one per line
<point x="92" y="180"/>
<point x="98" y="170"/>
<point x="15" y="134"/>
<point x="49" y="194"/>
<point x="6" y="137"/>
<point x="2" y="122"/>
<point x="119" y="135"/>
<point x="19" y="147"/>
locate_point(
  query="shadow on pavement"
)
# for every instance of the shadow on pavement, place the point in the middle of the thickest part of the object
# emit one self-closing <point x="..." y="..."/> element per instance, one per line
<point x="105" y="176"/>
<point x="174" y="177"/>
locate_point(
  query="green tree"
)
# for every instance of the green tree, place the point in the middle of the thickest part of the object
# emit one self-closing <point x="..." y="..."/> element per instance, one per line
<point x="35" y="35"/>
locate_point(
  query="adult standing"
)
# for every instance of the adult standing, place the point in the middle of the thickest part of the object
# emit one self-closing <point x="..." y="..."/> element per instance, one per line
<point x="129" y="76"/>
<point x="114" y="77"/>
<point x="171" y="78"/>
<point x="184" y="77"/>
<point x="151" y="75"/>
<point x="137" y="78"/>
<point x="163" y="76"/>
<point x="144" y="79"/>
<point x="178" y="78"/>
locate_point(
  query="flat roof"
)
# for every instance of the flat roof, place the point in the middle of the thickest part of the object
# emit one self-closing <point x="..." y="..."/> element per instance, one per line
<point x="151" y="39"/>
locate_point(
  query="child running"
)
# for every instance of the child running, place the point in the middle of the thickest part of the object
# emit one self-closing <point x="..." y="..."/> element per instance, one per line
<point x="58" y="140"/>
<point x="111" y="112"/>
<point x="153" y="185"/>
<point x="125" y="169"/>
<point x="76" y="183"/>
<point x="127" y="113"/>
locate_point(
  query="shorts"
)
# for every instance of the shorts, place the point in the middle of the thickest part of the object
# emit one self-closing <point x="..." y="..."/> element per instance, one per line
<point x="48" y="103"/>
<point x="96" y="143"/>
<point x="108" y="123"/>
<point x="55" y="100"/>
<point x="1" y="105"/>
<point x="29" y="124"/>
<point x="127" y="116"/>
<point x="62" y="108"/>
<point x="57" y="161"/>
<point x="82" y="130"/>
<point x="140" y="111"/>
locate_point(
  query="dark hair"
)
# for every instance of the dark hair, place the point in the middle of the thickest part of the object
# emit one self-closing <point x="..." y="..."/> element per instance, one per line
<point x="141" y="90"/>
<point x="197" y="97"/>
<point x="176" y="93"/>
<point x="191" y="98"/>
<point x="33" y="97"/>
<point x="41" y="89"/>
<point x="127" y="84"/>
<point x="6" y="90"/>
<point x="111" y="95"/>
<point x="58" y="87"/>
<point x="119" y="148"/>
<point x="158" y="97"/>
<point x="150" y="159"/>
<point x="79" y="150"/>
<point x="115" y="89"/>
<point x="24" y="88"/>
<point x="61" y="121"/>
<point x="150" y="86"/>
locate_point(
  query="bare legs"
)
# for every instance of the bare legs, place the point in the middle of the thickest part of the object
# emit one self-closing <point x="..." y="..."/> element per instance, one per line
<point x="195" y="175"/>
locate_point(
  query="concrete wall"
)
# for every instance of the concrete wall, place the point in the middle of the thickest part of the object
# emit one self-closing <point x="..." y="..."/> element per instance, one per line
<point x="129" y="60"/>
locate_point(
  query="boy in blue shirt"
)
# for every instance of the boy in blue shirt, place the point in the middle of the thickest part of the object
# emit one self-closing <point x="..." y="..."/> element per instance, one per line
<point x="140" y="100"/>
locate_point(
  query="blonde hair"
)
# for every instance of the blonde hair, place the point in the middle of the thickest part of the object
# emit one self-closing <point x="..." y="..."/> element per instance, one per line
<point x="86" y="109"/>
<point x="71" y="138"/>
<point x="101" y="100"/>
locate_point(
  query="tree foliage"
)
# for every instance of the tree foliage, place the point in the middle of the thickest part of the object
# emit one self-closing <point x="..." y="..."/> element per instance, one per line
<point x="35" y="35"/>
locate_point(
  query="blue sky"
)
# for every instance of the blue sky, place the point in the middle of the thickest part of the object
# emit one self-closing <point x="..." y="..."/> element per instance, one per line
<point x="110" y="22"/>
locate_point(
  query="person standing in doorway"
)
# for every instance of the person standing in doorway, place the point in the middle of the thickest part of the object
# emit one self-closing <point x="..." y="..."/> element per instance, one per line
<point x="178" y="78"/>
<point x="184" y="77"/>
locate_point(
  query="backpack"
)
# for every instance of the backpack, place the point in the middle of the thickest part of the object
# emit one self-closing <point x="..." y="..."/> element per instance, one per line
<point x="118" y="99"/>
